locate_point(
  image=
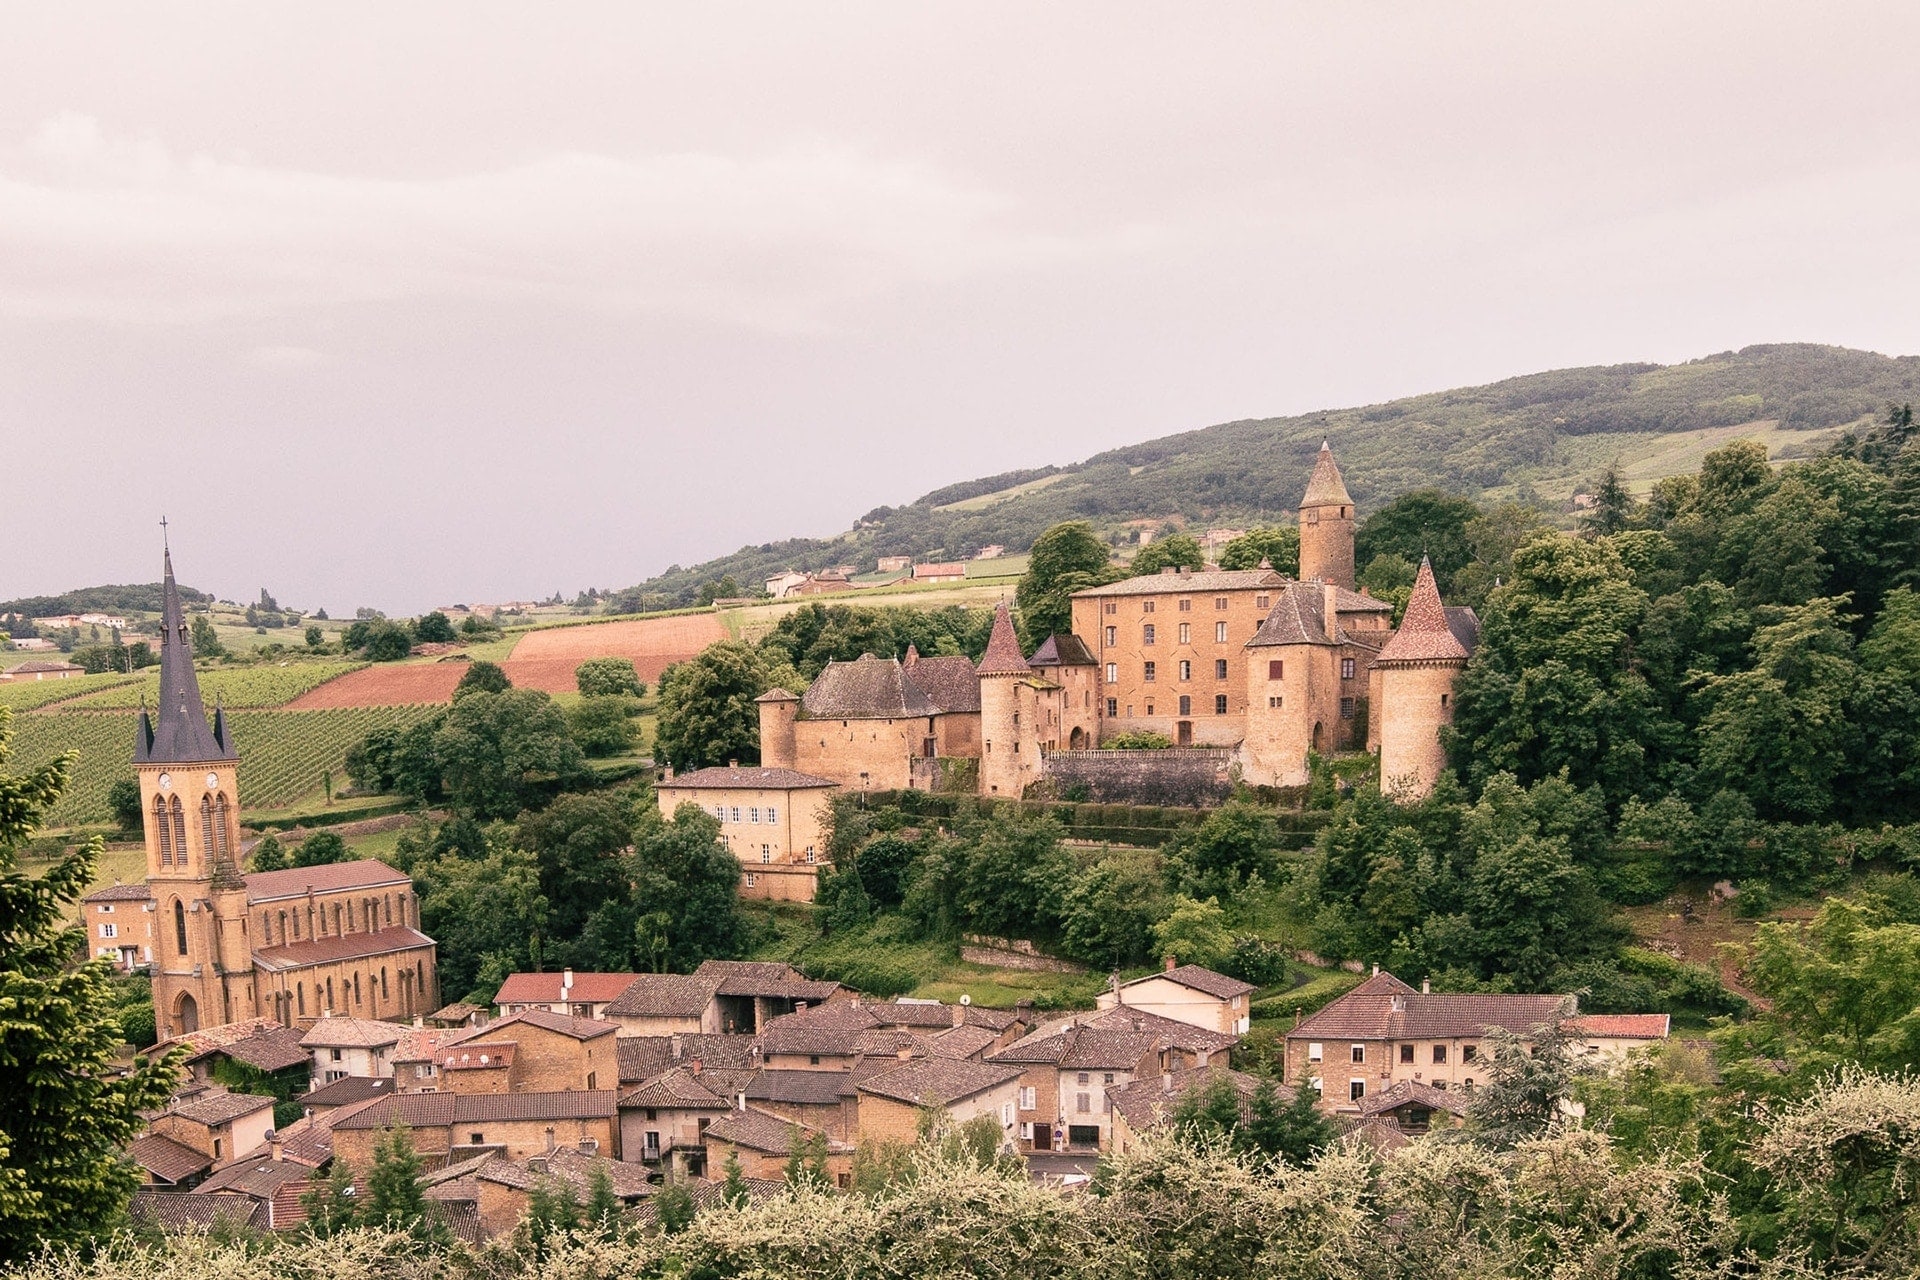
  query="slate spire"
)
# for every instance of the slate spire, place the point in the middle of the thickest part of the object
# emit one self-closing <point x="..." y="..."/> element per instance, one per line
<point x="177" y="732"/>
<point x="1002" y="657"/>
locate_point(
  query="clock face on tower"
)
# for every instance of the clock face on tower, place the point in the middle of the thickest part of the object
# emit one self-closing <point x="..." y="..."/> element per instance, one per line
<point x="166" y="782"/>
<point x="213" y="780"/>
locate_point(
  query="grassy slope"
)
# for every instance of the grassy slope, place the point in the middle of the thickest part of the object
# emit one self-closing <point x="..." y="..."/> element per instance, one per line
<point x="1548" y="432"/>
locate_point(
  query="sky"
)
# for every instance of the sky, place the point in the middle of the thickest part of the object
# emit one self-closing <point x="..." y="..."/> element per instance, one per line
<point x="404" y="306"/>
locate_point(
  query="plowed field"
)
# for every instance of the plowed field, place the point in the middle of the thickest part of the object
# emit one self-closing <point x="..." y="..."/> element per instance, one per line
<point x="541" y="660"/>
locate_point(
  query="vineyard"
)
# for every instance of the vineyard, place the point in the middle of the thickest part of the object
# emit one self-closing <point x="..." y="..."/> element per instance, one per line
<point x="282" y="753"/>
<point x="267" y="686"/>
<point x="25" y="695"/>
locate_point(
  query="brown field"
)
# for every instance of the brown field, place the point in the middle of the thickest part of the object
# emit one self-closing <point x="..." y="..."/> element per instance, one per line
<point x="541" y="660"/>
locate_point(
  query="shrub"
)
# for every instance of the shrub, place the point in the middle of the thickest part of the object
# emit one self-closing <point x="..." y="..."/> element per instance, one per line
<point x="608" y="677"/>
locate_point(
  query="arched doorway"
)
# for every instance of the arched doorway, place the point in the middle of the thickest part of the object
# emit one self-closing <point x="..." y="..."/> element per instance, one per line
<point x="186" y="1016"/>
<point x="1077" y="740"/>
<point x="1317" y="728"/>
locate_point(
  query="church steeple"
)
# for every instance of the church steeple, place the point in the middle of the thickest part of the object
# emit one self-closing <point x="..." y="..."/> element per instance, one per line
<point x="177" y="732"/>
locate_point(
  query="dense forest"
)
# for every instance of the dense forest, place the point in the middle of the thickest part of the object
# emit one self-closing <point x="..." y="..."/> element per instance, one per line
<point x="1467" y="441"/>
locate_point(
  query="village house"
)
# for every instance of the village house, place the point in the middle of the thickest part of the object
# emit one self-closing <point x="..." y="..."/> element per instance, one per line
<point x="343" y="1047"/>
<point x="578" y="995"/>
<point x="530" y="1052"/>
<point x="1149" y="1102"/>
<point x="498" y="1190"/>
<point x="943" y="571"/>
<point x="1188" y="993"/>
<point x="733" y="997"/>
<point x="763" y="1142"/>
<point x="447" y="1127"/>
<point x="1413" y="1108"/>
<point x="771" y="819"/>
<point x="347" y="1091"/>
<point x="119" y="924"/>
<point x="260" y="1044"/>
<point x="894" y="1103"/>
<point x="31" y="672"/>
<point x="1384" y="1032"/>
<point x="215" y="1125"/>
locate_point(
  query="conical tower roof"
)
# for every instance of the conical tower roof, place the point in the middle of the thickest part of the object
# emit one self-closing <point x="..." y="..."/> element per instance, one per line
<point x="1003" y="657"/>
<point x="1424" y="635"/>
<point x="177" y="732"/>
<point x="1325" y="488"/>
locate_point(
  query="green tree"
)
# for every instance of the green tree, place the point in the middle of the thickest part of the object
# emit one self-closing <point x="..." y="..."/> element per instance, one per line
<point x="329" y="1201"/>
<point x="394" y="1198"/>
<point x="1195" y="933"/>
<point x="67" y="1109"/>
<point x="1065" y="559"/>
<point x="321" y="848"/>
<point x="1277" y="544"/>
<point x="673" y="1206"/>
<point x="733" y="1187"/>
<point x="1425" y="522"/>
<point x="206" y="641"/>
<point x="1209" y="1111"/>
<point x="482" y="676"/>
<point x="1527" y="1079"/>
<point x="500" y="753"/>
<point x="806" y="1158"/>
<point x="480" y="907"/>
<point x="603" y="726"/>
<point x="123" y="802"/>
<point x="316" y="638"/>
<point x="707" y="711"/>
<point x="552" y="1214"/>
<point x="683" y="872"/>
<point x="1294" y="1131"/>
<point x="1110" y="910"/>
<point x="434" y="628"/>
<point x="580" y="842"/>
<point x="1845" y="987"/>
<point x="603" y="1213"/>
<point x="1013" y="874"/>
<point x="1235" y="842"/>
<point x="1612" y="506"/>
<point x="380" y="640"/>
<point x="269" y="855"/>
<point x="1177" y="550"/>
<point x="608" y="678"/>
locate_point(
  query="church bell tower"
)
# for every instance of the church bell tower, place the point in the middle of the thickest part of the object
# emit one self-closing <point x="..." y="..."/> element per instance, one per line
<point x="190" y="809"/>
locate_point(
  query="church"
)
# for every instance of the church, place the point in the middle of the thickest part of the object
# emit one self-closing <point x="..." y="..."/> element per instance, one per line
<point x="1268" y="668"/>
<point x="293" y="945"/>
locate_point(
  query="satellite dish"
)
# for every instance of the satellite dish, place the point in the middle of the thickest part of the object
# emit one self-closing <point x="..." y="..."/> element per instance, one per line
<point x="966" y="1000"/>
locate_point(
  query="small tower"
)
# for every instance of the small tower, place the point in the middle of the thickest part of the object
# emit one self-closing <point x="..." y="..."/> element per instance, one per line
<point x="190" y="809"/>
<point x="1293" y="686"/>
<point x="779" y="710"/>
<point x="1417" y="670"/>
<point x="1326" y="525"/>
<point x="1009" y="749"/>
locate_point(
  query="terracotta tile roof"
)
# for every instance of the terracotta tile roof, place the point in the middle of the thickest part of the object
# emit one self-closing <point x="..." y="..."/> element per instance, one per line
<point x="208" y="1039"/>
<point x="962" y="1042"/>
<point x="913" y="1013"/>
<point x="178" y="1212"/>
<point x="757" y="1130"/>
<point x="135" y="892"/>
<point x="798" y="1088"/>
<point x="1063" y="651"/>
<point x="666" y="995"/>
<point x="677" y="1087"/>
<point x="1413" y="1093"/>
<point x="1145" y="1102"/>
<point x="351" y="946"/>
<point x="642" y="1057"/>
<point x="1003" y="655"/>
<point x="1465" y="625"/>
<point x="840" y="1030"/>
<point x="564" y="1164"/>
<point x="437" y="1110"/>
<point x="1116" y="1039"/>
<point x="868" y="688"/>
<point x="216" y="1107"/>
<point x="365" y="873"/>
<point x="1385" y="1008"/>
<point x="258" y="1176"/>
<point x="1154" y="584"/>
<point x="421" y="1044"/>
<point x="1203" y="980"/>
<point x="1426" y="633"/>
<point x="545" y="988"/>
<point x="352" y="1033"/>
<point x="456" y="1013"/>
<point x="1325" y="488"/>
<point x="1619" y="1026"/>
<point x="777" y="695"/>
<point x="270" y="1047"/>
<point x="167" y="1160"/>
<point x="559" y="1023"/>
<point x="949" y="683"/>
<point x="717" y="1050"/>
<point x="938" y="1082"/>
<point x="764" y="978"/>
<point x="1299" y="616"/>
<point x="763" y="777"/>
<point x="348" y="1090"/>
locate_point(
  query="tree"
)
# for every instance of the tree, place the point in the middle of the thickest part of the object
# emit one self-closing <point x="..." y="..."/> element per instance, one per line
<point x="500" y="753"/>
<point x="1845" y="987"/>
<point x="1425" y="522"/>
<point x="394" y="1198"/>
<point x="1237" y="841"/>
<point x="1612" y="505"/>
<point x="1277" y="544"/>
<point x="733" y="1189"/>
<point x="1110" y="910"/>
<point x="482" y="676"/>
<point x="683" y="873"/>
<point x="603" y="726"/>
<point x="1178" y="551"/>
<point x="608" y="678"/>
<point x="320" y="849"/>
<point x="1208" y="1111"/>
<point x="434" y="628"/>
<point x="552" y="1213"/>
<point x="806" y="1158"/>
<point x="481" y="909"/>
<point x="1195" y="933"/>
<point x="269" y="855"/>
<point x="707" y="711"/>
<point x="1295" y="1132"/>
<point x="123" y="802"/>
<point x="580" y="842"/>
<point x="1528" y="1078"/>
<point x="206" y="641"/>
<point x="673" y="1206"/>
<point x="380" y="640"/>
<point x="1065" y="559"/>
<point x="315" y="638"/>
<point x="603" y="1206"/>
<point x="67" y="1109"/>
<point x="329" y="1201"/>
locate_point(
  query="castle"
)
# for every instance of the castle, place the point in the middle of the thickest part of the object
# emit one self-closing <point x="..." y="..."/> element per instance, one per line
<point x="1266" y="667"/>
<point x="292" y="945"/>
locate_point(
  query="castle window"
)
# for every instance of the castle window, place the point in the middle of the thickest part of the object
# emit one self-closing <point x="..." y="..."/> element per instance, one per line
<point x="383" y="982"/>
<point x="1149" y="708"/>
<point x="1219" y="704"/>
<point x="1276" y="703"/>
<point x="160" y="827"/>
<point x="1113" y="673"/>
<point x="1276" y="669"/>
<point x="1219" y="604"/>
<point x="811" y="856"/>
<point x="1346" y="668"/>
<point x="1219" y="668"/>
<point x="1146" y="606"/>
<point x="1113" y="706"/>
<point x="1110" y="606"/>
<point x="1149" y="670"/>
<point x="1439" y="1054"/>
<point x="1262" y="602"/>
<point x="1219" y="633"/>
<point x="766" y="853"/>
<point x="1186" y="669"/>
<point x="1186" y="633"/>
<point x="753" y="815"/>
<point x="1346" y="708"/>
<point x="1186" y="606"/>
<point x="1146" y="634"/>
<point x="1186" y="705"/>
<point x="180" y="926"/>
<point x="773" y="813"/>
<point x="300" y="992"/>
<point x="1113" y="637"/>
<point x="1443" y="699"/>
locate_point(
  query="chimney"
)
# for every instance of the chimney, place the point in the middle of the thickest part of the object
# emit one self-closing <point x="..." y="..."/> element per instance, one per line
<point x="566" y="982"/>
<point x="740" y="1100"/>
<point x="959" y="1015"/>
<point x="673" y="1047"/>
<point x="904" y="1053"/>
<point x="1185" y="571"/>
<point x="1330" y="604"/>
<point x="696" y="1066"/>
<point x="1296" y="1016"/>
<point x="1168" y="570"/>
<point x="1166" y="1082"/>
<point x="418" y="1022"/>
<point x="1376" y="971"/>
<point x="1170" y="962"/>
<point x="733" y="764"/>
<point x="273" y="1145"/>
<point x="1426" y="986"/>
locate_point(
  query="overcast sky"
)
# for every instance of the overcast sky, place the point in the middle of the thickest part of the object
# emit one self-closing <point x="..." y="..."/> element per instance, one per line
<point x="408" y="305"/>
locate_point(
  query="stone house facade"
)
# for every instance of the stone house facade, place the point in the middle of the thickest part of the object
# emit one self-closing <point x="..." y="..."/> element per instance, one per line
<point x="772" y="819"/>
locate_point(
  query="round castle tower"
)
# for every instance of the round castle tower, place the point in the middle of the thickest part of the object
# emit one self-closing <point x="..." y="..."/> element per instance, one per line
<point x="1417" y="669"/>
<point x="1009" y="750"/>
<point x="1326" y="525"/>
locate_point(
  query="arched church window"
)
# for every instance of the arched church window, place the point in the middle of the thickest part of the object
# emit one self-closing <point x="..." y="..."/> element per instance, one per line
<point x="164" y="832"/>
<point x="179" y="831"/>
<point x="180" y="925"/>
<point x="220" y="831"/>
<point x="206" y="827"/>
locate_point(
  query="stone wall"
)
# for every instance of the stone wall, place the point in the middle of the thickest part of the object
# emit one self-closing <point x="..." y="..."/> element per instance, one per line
<point x="1188" y="777"/>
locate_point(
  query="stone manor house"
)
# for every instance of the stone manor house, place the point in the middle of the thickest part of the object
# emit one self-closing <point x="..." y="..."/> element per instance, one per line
<point x="1250" y="663"/>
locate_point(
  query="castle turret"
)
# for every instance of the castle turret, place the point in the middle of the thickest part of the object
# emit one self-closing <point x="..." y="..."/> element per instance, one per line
<point x="1009" y="748"/>
<point x="1326" y="525"/>
<point x="779" y="710"/>
<point x="1293" y="686"/>
<point x="1417" y="670"/>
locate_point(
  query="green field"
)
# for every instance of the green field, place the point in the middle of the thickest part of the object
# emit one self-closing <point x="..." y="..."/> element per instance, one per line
<point x="27" y="694"/>
<point x="264" y="686"/>
<point x="283" y="753"/>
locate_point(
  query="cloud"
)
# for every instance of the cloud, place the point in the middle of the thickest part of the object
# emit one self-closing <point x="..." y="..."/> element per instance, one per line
<point x="123" y="229"/>
<point x="289" y="358"/>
